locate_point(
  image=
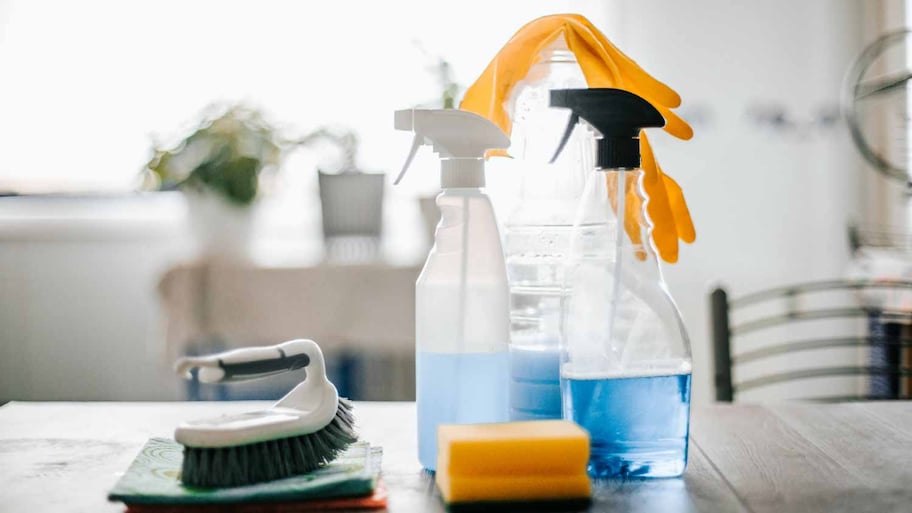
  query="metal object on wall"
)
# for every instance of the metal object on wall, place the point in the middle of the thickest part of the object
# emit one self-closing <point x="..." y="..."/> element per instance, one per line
<point x="777" y="118"/>
<point x="875" y="104"/>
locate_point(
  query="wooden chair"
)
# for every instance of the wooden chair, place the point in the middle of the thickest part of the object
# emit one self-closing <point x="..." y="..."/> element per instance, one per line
<point x="888" y="337"/>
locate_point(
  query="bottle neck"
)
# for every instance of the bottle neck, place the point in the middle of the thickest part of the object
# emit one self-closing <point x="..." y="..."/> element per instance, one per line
<point x="617" y="153"/>
<point x="537" y="129"/>
<point x="462" y="173"/>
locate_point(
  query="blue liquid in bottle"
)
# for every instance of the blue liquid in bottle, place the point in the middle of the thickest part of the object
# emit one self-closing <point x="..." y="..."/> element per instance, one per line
<point x="535" y="382"/>
<point x="638" y="425"/>
<point x="458" y="388"/>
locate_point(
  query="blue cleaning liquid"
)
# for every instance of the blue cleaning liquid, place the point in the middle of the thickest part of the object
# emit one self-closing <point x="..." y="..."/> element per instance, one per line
<point x="638" y="425"/>
<point x="535" y="382"/>
<point x="458" y="388"/>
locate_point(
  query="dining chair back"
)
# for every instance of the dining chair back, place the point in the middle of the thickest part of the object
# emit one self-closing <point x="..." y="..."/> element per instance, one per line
<point x="886" y="337"/>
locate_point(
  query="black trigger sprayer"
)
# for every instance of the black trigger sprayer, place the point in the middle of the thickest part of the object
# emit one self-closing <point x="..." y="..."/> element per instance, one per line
<point x="618" y="115"/>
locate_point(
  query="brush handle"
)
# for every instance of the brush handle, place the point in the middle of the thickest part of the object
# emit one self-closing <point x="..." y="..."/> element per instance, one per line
<point x="307" y="409"/>
<point x="247" y="363"/>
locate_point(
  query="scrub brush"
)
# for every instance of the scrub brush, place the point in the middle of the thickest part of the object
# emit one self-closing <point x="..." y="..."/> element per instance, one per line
<point x="303" y="431"/>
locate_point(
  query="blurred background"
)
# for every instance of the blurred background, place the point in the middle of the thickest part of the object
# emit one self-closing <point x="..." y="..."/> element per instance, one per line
<point x="107" y="273"/>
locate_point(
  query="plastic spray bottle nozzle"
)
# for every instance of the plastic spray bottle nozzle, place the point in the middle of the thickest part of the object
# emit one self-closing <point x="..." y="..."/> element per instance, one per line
<point x="617" y="114"/>
<point x="459" y="137"/>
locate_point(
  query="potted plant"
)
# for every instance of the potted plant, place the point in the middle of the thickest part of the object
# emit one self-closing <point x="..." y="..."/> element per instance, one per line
<point x="218" y="168"/>
<point x="351" y="200"/>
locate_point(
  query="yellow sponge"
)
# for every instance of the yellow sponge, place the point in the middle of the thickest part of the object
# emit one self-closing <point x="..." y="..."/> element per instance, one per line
<point x="516" y="461"/>
<point x="512" y="488"/>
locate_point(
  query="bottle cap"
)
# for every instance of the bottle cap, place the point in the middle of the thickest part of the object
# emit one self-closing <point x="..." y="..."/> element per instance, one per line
<point x="459" y="137"/>
<point x="617" y="114"/>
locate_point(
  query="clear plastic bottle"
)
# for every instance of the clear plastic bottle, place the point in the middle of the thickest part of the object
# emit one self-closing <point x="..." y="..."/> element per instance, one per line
<point x="627" y="370"/>
<point x="626" y="362"/>
<point x="537" y="232"/>
<point x="461" y="296"/>
<point x="461" y="321"/>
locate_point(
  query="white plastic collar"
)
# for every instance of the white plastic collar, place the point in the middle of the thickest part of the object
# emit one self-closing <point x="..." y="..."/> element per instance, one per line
<point x="462" y="173"/>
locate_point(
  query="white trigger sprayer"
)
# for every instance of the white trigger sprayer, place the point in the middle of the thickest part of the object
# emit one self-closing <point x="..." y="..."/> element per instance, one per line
<point x="461" y="138"/>
<point x="462" y="358"/>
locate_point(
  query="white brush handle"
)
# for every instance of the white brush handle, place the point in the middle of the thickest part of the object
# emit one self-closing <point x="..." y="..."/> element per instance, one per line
<point x="308" y="408"/>
<point x="251" y="362"/>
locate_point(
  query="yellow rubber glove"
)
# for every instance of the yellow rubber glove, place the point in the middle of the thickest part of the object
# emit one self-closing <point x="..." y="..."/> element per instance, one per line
<point x="666" y="206"/>
<point x="603" y="65"/>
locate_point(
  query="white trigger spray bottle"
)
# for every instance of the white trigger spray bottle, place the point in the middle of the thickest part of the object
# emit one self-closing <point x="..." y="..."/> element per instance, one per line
<point x="462" y="330"/>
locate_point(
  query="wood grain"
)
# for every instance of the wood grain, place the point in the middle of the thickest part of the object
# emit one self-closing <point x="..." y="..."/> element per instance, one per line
<point x="772" y="466"/>
<point x="701" y="489"/>
<point x="63" y="457"/>
<point x="895" y="416"/>
<point x="865" y="439"/>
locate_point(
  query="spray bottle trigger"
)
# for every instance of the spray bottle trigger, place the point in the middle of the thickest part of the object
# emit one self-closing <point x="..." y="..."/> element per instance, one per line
<point x="416" y="143"/>
<point x="571" y="124"/>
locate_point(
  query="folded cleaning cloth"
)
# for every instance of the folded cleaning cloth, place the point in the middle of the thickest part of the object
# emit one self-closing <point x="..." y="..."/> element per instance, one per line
<point x="153" y="481"/>
<point x="603" y="65"/>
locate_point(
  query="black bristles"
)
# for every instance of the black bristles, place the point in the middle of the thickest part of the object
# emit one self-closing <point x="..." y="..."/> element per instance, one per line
<point x="273" y="459"/>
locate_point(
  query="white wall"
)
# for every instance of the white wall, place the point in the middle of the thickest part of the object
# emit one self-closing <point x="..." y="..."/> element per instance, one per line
<point x="769" y="208"/>
<point x="78" y="307"/>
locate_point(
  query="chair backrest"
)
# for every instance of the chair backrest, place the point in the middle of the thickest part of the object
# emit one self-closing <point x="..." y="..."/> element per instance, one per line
<point x="887" y="307"/>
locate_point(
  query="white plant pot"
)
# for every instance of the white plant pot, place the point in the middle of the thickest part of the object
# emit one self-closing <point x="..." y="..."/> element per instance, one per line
<point x="352" y="204"/>
<point x="221" y="230"/>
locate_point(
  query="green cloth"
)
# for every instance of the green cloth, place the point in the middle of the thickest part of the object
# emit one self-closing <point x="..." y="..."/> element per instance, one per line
<point x="154" y="478"/>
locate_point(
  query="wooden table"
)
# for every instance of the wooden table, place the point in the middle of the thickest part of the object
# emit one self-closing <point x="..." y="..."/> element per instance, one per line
<point x="63" y="457"/>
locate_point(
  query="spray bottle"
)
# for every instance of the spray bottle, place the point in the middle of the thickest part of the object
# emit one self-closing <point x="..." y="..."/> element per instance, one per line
<point x="625" y="355"/>
<point x="537" y="231"/>
<point x="461" y="297"/>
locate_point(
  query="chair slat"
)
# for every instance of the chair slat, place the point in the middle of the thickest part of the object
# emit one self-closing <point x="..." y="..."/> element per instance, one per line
<point x="807" y="315"/>
<point x="783" y="377"/>
<point x="810" y="287"/>
<point x="821" y="343"/>
<point x="857" y="398"/>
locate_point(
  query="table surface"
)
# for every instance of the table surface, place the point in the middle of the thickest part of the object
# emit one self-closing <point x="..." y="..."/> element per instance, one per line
<point x="63" y="457"/>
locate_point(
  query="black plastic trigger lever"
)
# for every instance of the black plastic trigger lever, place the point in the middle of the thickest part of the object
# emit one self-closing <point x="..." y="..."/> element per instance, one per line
<point x="571" y="124"/>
